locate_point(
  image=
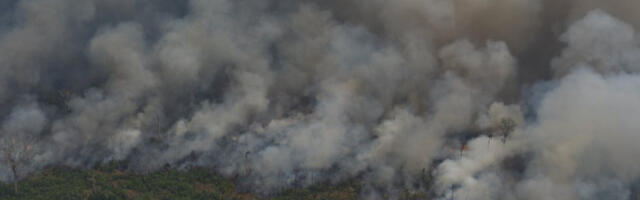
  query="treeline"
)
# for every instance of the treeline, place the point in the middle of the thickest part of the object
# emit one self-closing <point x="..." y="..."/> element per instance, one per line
<point x="108" y="182"/>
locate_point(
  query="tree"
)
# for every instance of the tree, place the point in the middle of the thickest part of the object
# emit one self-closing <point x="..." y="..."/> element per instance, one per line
<point x="64" y="96"/>
<point x="16" y="152"/>
<point x="506" y="126"/>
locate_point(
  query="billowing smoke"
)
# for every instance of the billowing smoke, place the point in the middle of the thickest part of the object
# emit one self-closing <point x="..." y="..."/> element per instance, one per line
<point x="454" y="99"/>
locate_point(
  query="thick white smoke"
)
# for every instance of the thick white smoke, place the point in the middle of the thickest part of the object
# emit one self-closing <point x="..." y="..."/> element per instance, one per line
<point x="455" y="99"/>
<point x="585" y="137"/>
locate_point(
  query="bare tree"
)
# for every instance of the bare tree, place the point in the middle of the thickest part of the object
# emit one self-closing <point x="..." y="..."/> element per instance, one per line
<point x="62" y="98"/>
<point x="501" y="129"/>
<point x="16" y="152"/>
<point x="505" y="128"/>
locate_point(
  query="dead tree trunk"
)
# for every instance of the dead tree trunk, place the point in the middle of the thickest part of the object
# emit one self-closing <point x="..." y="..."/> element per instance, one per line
<point x="16" y="152"/>
<point x="14" y="170"/>
<point x="15" y="187"/>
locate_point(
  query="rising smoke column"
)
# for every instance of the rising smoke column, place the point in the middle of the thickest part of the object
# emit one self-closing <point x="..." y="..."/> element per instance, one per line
<point x="404" y="95"/>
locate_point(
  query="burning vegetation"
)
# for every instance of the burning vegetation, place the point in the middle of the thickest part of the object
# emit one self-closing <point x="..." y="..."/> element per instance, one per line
<point x="452" y="99"/>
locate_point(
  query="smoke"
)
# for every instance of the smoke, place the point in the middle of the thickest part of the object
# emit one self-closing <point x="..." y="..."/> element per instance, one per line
<point x="600" y="41"/>
<point x="585" y="137"/>
<point x="491" y="99"/>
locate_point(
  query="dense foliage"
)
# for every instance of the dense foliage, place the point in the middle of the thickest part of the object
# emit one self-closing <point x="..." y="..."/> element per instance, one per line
<point x="107" y="182"/>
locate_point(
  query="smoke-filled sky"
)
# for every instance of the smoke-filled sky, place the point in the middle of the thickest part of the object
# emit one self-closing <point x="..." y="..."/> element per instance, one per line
<point x="403" y="95"/>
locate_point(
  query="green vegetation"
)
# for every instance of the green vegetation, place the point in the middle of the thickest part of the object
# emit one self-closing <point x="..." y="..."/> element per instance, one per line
<point x="108" y="182"/>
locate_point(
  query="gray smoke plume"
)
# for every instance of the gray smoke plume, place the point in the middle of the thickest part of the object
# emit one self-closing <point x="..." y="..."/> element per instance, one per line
<point x="457" y="99"/>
